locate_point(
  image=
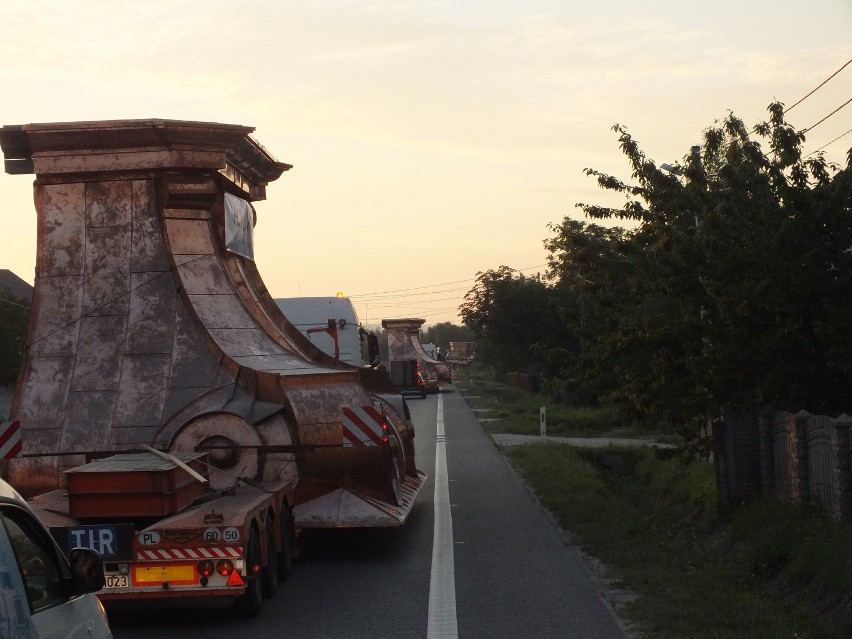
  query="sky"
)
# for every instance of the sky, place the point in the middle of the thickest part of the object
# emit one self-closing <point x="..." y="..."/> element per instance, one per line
<point x="431" y="140"/>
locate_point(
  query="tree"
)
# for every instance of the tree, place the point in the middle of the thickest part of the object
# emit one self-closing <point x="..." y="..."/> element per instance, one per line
<point x="731" y="285"/>
<point x="442" y="333"/>
<point x="514" y="320"/>
<point x="14" y="322"/>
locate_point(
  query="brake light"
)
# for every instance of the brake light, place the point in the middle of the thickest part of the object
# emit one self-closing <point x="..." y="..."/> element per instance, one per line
<point x="384" y="427"/>
<point x="205" y="568"/>
<point x="224" y="567"/>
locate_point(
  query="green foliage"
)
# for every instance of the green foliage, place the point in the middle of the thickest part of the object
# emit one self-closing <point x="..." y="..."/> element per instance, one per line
<point x="442" y="333"/>
<point x="655" y="525"/>
<point x="730" y="286"/>
<point x="14" y="320"/>
<point x="517" y="411"/>
<point x="514" y="320"/>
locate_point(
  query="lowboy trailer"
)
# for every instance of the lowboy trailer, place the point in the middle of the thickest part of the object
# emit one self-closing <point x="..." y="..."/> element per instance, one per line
<point x="169" y="414"/>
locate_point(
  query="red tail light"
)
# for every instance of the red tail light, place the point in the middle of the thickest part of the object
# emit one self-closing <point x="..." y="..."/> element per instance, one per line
<point x="224" y="567"/>
<point x="205" y="568"/>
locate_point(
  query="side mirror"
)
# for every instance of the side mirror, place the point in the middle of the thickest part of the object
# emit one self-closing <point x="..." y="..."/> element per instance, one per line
<point x="373" y="349"/>
<point x="87" y="571"/>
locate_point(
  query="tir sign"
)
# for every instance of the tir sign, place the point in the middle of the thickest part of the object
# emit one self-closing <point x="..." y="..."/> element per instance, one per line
<point x="104" y="539"/>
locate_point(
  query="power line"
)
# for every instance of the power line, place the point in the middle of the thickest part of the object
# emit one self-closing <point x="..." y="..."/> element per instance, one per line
<point x="829" y="143"/>
<point x="828" y="116"/>
<point x="848" y="62"/>
<point x="3" y="299"/>
<point x="418" y="288"/>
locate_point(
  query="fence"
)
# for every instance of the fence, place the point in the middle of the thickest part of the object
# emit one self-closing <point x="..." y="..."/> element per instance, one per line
<point x="798" y="457"/>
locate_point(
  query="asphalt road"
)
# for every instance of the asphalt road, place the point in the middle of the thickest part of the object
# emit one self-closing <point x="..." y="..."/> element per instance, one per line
<point x="513" y="575"/>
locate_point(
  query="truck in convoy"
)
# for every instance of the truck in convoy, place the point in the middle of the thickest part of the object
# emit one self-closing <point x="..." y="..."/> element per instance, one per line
<point x="331" y="323"/>
<point x="167" y="413"/>
<point x="404" y="346"/>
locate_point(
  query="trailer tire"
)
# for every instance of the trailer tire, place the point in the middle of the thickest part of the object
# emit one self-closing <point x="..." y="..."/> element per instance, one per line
<point x="285" y="557"/>
<point x="270" y="573"/>
<point x="395" y="472"/>
<point x="251" y="601"/>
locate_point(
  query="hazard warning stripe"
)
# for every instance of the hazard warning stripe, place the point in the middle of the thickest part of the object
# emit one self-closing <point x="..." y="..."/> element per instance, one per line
<point x="160" y="554"/>
<point x="362" y="426"/>
<point x="10" y="439"/>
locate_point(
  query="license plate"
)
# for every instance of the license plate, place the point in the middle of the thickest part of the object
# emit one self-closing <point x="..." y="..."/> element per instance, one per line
<point x="177" y="574"/>
<point x="117" y="581"/>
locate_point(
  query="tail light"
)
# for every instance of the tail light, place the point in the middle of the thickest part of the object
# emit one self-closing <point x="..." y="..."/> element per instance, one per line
<point x="205" y="568"/>
<point x="224" y="567"/>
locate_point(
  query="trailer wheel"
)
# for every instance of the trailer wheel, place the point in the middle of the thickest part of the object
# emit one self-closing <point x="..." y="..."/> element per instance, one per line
<point x="285" y="557"/>
<point x="270" y="573"/>
<point x="394" y="472"/>
<point x="249" y="604"/>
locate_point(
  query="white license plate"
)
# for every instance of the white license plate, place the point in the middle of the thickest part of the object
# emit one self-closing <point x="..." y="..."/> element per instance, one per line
<point x="117" y="581"/>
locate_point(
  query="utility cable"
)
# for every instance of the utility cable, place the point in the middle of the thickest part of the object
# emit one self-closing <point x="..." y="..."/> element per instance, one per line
<point x="829" y="143"/>
<point x="848" y="62"/>
<point x="418" y="288"/>
<point x="828" y="116"/>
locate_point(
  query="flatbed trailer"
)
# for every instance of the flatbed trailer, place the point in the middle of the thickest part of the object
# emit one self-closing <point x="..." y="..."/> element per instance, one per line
<point x="164" y="534"/>
<point x="151" y="329"/>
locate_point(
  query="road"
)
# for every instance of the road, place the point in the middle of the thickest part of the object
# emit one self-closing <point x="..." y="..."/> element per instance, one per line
<point x="498" y="568"/>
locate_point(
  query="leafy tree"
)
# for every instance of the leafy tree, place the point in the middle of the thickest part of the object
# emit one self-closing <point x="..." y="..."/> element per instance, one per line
<point x="514" y="320"/>
<point x="731" y="284"/>
<point x="14" y="320"/>
<point x="442" y="333"/>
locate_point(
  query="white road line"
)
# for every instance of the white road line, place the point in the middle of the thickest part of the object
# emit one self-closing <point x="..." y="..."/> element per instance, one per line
<point x="442" y="587"/>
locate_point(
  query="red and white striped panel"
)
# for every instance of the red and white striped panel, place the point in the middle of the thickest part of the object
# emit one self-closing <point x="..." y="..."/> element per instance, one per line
<point x="169" y="554"/>
<point x="362" y="426"/>
<point x="10" y="439"/>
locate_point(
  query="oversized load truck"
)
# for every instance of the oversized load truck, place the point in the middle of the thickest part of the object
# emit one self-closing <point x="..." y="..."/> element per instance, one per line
<point x="167" y="413"/>
<point x="404" y="346"/>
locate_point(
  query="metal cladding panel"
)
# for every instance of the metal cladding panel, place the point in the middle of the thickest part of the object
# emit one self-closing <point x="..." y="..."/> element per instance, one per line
<point x="283" y="364"/>
<point x="142" y="393"/>
<point x="108" y="203"/>
<point x="189" y="237"/>
<point x="57" y="330"/>
<point x="193" y="363"/>
<point x="45" y="388"/>
<point x="321" y="404"/>
<point x="189" y="400"/>
<point x="150" y="319"/>
<point x="124" y="438"/>
<point x="241" y="342"/>
<point x="88" y="421"/>
<point x="147" y="250"/>
<point x="202" y="275"/>
<point x="62" y="232"/>
<point x="98" y="362"/>
<point x="221" y="311"/>
<point x="107" y="270"/>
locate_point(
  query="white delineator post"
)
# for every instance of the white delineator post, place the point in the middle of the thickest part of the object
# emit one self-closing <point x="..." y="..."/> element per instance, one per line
<point x="542" y="416"/>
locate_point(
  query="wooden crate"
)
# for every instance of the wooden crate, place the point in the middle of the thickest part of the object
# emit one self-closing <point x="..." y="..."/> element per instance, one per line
<point x="135" y="485"/>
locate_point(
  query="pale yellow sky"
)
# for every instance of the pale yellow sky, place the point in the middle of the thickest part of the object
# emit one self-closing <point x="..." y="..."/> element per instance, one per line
<point x="430" y="139"/>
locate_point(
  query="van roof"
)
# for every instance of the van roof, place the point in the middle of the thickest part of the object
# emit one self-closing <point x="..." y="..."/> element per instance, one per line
<point x="8" y="492"/>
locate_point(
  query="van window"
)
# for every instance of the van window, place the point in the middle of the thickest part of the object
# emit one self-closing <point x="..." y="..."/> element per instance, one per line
<point x="41" y="573"/>
<point x="14" y="608"/>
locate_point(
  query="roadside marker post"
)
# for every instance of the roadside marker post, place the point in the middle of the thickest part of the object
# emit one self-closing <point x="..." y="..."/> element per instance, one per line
<point x="542" y="415"/>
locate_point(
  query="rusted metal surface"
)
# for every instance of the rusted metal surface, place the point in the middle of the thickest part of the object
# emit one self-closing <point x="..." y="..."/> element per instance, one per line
<point x="146" y="330"/>
<point x="404" y="344"/>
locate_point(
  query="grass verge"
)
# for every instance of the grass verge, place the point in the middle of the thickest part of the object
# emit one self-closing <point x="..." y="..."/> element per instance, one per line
<point x="764" y="570"/>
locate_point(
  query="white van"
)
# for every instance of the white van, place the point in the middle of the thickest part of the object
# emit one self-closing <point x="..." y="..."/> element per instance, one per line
<point x="42" y="595"/>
